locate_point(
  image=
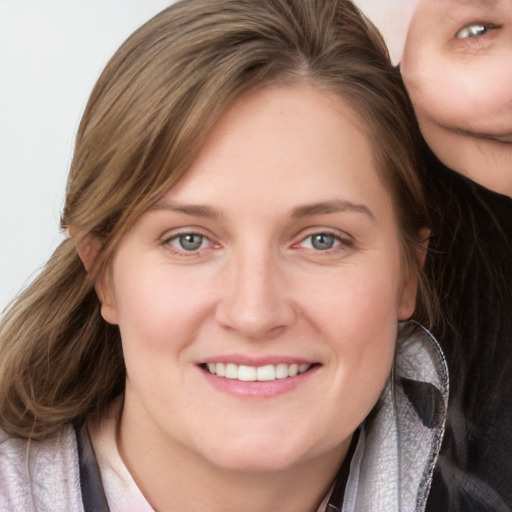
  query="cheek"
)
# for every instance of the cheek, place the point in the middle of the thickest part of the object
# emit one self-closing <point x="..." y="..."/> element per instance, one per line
<point x="371" y="323"/>
<point x="475" y="96"/>
<point x="363" y="339"/>
<point x="369" y="342"/>
<point x="473" y="100"/>
<point x="158" y="312"/>
<point x="359" y="305"/>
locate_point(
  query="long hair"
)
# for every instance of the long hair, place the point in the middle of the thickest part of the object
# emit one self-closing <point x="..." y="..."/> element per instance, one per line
<point x="148" y="115"/>
<point x="470" y="266"/>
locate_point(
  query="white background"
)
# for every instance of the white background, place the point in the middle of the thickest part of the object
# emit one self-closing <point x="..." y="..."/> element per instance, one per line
<point x="51" y="53"/>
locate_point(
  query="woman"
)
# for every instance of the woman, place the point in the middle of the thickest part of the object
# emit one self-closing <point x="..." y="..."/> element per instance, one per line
<point x="247" y="230"/>
<point x="459" y="78"/>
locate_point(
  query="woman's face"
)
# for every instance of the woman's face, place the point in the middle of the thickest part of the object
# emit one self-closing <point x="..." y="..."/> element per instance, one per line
<point x="457" y="67"/>
<point x="258" y="300"/>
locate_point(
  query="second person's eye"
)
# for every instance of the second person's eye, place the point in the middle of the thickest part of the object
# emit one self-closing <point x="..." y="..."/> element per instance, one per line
<point x="474" y="30"/>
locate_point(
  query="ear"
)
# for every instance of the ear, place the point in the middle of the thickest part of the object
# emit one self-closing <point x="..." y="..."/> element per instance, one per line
<point x="87" y="248"/>
<point x="408" y="292"/>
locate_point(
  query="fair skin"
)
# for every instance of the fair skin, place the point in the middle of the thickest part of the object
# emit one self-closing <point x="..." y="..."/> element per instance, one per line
<point x="276" y="257"/>
<point x="457" y="67"/>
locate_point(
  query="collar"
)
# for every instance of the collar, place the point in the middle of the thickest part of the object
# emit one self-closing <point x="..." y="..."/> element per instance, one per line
<point x="399" y="442"/>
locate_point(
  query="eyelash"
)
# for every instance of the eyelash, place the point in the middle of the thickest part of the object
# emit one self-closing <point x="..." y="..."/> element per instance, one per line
<point x="167" y="242"/>
<point x="341" y="243"/>
<point x="478" y="25"/>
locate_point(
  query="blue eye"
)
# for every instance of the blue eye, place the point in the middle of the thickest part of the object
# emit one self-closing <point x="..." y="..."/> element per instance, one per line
<point x="188" y="241"/>
<point x="474" y="30"/>
<point x="321" y="241"/>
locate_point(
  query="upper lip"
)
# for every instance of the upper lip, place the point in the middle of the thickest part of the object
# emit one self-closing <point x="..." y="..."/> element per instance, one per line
<point x="244" y="360"/>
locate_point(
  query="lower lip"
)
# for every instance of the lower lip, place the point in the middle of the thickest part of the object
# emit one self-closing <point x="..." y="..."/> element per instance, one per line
<point x="258" y="389"/>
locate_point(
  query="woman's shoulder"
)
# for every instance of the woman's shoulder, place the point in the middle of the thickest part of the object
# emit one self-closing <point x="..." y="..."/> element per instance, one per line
<point x="40" y="475"/>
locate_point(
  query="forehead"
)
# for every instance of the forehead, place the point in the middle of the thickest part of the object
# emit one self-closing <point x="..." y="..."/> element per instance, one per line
<point x="280" y="139"/>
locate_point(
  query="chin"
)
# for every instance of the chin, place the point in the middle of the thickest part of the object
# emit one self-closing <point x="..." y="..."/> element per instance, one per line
<point x="257" y="455"/>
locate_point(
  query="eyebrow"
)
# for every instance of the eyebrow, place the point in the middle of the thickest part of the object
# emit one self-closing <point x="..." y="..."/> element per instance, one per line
<point x="194" y="210"/>
<point x="331" y="207"/>
<point x="325" y="207"/>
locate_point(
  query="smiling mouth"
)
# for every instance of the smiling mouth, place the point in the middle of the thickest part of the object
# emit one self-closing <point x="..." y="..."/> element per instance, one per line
<point x="265" y="373"/>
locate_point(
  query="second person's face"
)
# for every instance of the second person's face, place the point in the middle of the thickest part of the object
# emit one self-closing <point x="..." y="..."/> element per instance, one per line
<point x="457" y="67"/>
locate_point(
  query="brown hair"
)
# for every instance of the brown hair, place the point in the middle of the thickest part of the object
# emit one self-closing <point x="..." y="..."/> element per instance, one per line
<point x="146" y="119"/>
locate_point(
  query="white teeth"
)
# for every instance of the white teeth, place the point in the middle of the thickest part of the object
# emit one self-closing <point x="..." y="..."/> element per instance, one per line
<point x="266" y="372"/>
<point x="261" y="373"/>
<point x="247" y="373"/>
<point x="231" y="371"/>
<point x="281" y="371"/>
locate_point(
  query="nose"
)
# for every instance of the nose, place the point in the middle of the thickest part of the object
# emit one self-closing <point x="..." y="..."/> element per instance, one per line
<point x="255" y="301"/>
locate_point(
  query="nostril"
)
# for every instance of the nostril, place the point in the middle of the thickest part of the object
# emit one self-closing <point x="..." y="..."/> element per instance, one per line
<point x="256" y="321"/>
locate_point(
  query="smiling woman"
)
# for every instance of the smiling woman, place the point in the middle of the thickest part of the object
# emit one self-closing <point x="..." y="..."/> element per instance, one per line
<point x="247" y="231"/>
<point x="272" y="292"/>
